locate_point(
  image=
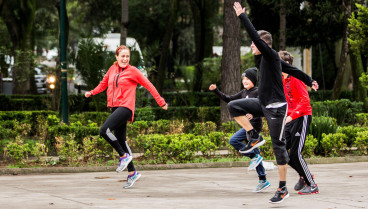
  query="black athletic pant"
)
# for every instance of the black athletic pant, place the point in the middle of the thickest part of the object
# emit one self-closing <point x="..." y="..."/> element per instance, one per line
<point x="117" y="122"/>
<point x="275" y="116"/>
<point x="296" y="134"/>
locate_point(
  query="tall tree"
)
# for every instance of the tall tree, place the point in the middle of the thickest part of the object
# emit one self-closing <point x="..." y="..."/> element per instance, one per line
<point x="230" y="65"/>
<point x="166" y="46"/>
<point x="204" y="12"/>
<point x="344" y="51"/>
<point x="19" y="16"/>
<point x="282" y="37"/>
<point x="124" y="22"/>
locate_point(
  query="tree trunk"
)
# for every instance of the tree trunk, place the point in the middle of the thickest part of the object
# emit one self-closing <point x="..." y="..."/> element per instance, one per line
<point x="165" y="46"/>
<point x="124" y="22"/>
<point x="19" y="19"/>
<point x="344" y="52"/>
<point x="203" y="13"/>
<point x="359" y="91"/>
<point x="230" y="64"/>
<point x="282" y="38"/>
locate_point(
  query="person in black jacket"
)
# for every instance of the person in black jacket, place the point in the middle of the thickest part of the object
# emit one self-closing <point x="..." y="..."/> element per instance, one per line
<point x="249" y="80"/>
<point x="271" y="102"/>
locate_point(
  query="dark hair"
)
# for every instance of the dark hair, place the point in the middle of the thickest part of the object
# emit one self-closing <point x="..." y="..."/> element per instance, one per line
<point x="286" y="56"/>
<point x="265" y="36"/>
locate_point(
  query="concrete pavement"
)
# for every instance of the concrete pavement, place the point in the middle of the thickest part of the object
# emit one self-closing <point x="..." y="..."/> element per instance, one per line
<point x="342" y="185"/>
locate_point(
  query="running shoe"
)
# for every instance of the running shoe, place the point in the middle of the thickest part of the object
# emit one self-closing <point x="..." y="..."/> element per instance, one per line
<point x="252" y="144"/>
<point x="280" y="195"/>
<point x="309" y="190"/>
<point x="255" y="162"/>
<point x="131" y="179"/>
<point x="123" y="162"/>
<point x="300" y="184"/>
<point x="263" y="184"/>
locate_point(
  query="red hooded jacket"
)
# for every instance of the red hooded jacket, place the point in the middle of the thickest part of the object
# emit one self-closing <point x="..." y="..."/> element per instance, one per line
<point x="121" y="84"/>
<point x="297" y="97"/>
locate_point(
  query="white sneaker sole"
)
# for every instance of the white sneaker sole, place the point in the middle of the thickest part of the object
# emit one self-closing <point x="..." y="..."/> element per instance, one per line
<point x="262" y="188"/>
<point x="280" y="200"/>
<point x="139" y="176"/>
<point x="254" y="167"/>
<point x="126" y="165"/>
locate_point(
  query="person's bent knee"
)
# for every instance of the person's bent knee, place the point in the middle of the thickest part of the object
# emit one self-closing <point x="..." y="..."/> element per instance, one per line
<point x="103" y="131"/>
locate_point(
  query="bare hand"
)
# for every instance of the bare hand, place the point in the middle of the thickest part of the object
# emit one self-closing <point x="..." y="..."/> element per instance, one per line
<point x="212" y="87"/>
<point x="165" y="107"/>
<point x="249" y="116"/>
<point x="288" y="119"/>
<point x="315" y="85"/>
<point x="238" y="8"/>
<point x="88" y="94"/>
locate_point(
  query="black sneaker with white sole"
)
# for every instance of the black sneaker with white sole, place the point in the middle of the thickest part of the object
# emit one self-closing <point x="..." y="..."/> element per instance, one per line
<point x="280" y="195"/>
<point x="252" y="144"/>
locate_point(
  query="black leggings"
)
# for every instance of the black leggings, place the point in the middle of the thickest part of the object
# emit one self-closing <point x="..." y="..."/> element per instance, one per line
<point x="117" y="122"/>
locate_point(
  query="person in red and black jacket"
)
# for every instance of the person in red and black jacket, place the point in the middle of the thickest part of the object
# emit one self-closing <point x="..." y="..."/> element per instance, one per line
<point x="299" y="117"/>
<point x="121" y="82"/>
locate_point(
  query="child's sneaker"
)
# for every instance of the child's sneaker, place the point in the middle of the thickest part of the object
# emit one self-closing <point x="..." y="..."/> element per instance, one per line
<point x="123" y="162"/>
<point x="280" y="195"/>
<point x="262" y="186"/>
<point x="309" y="190"/>
<point x="131" y="179"/>
<point x="252" y="144"/>
<point x="255" y="162"/>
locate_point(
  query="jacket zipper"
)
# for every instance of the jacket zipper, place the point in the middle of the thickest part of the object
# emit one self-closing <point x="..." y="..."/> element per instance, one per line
<point x="116" y="81"/>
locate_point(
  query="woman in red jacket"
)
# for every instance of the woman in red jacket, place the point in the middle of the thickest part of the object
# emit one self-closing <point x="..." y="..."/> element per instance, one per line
<point x="121" y="82"/>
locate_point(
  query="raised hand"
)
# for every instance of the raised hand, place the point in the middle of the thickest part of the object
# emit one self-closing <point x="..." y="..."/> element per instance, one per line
<point x="315" y="85"/>
<point x="212" y="87"/>
<point x="238" y="8"/>
<point x="88" y="94"/>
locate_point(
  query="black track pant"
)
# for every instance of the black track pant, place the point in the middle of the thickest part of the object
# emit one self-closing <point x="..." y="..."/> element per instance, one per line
<point x="296" y="134"/>
<point x="117" y="122"/>
<point x="275" y="117"/>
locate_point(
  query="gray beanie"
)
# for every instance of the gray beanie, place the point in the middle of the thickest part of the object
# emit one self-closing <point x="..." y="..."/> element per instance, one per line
<point x="251" y="74"/>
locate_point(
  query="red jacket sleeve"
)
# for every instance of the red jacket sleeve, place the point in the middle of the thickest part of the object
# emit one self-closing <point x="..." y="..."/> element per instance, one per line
<point x="141" y="79"/>
<point x="303" y="98"/>
<point x="103" y="84"/>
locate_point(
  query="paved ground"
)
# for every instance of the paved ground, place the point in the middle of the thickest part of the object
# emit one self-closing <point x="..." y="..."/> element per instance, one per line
<point x="342" y="185"/>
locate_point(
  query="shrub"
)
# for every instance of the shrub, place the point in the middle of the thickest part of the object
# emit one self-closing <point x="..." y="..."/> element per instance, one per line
<point x="344" y="111"/>
<point x="204" y="128"/>
<point x="361" y="142"/>
<point x="362" y="119"/>
<point x="309" y="146"/>
<point x="322" y="125"/>
<point x="351" y="133"/>
<point x="230" y="127"/>
<point x="333" y="144"/>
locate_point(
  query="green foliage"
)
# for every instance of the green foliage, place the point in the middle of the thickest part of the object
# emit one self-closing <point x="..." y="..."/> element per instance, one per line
<point x="364" y="79"/>
<point x="91" y="62"/>
<point x="230" y="127"/>
<point x="309" y="146"/>
<point x="351" y="133"/>
<point x="319" y="126"/>
<point x="204" y="128"/>
<point x="17" y="151"/>
<point x="332" y="108"/>
<point x="267" y="149"/>
<point x="358" y="25"/>
<point x="69" y="149"/>
<point x="361" y="142"/>
<point x="145" y="113"/>
<point x="333" y="144"/>
<point x="362" y="119"/>
<point x="211" y="71"/>
<point x="95" y="150"/>
<point x="39" y="150"/>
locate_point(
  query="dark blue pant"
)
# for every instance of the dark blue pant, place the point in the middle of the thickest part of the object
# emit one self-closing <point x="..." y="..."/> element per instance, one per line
<point x="237" y="142"/>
